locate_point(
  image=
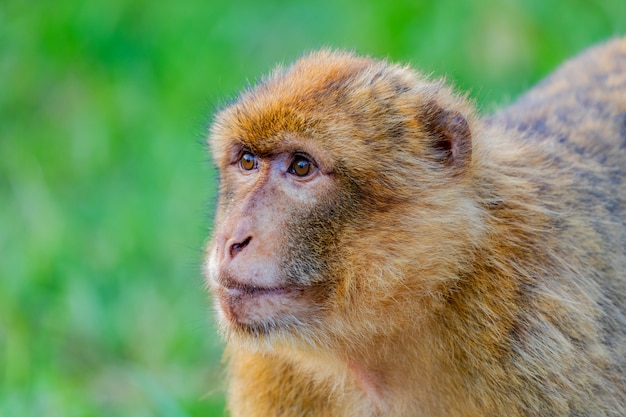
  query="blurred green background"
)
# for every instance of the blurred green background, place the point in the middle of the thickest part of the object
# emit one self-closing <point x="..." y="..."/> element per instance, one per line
<point x="106" y="187"/>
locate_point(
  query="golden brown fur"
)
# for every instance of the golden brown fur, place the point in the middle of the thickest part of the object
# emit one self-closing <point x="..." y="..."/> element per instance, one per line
<point x="435" y="263"/>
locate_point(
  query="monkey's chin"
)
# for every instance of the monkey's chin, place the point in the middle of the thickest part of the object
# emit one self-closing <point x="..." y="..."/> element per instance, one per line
<point x="263" y="310"/>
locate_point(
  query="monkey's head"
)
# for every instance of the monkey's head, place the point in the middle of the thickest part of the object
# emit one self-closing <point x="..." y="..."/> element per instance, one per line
<point x="344" y="195"/>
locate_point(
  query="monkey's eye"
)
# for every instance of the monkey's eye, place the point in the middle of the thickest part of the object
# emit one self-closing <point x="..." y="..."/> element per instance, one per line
<point x="248" y="161"/>
<point x="301" y="166"/>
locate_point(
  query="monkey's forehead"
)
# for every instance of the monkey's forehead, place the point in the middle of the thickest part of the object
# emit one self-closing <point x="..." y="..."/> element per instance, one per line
<point x="318" y="93"/>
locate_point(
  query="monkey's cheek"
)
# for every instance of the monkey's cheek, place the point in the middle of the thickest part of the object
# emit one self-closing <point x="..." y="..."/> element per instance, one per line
<point x="261" y="307"/>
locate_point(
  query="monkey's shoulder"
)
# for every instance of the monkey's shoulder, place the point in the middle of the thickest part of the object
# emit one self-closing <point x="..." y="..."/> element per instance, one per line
<point x="580" y="108"/>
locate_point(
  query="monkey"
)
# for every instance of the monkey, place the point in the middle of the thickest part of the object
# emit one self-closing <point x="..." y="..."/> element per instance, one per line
<point x="381" y="249"/>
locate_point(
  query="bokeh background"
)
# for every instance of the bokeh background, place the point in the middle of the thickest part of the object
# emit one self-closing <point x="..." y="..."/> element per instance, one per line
<point x="106" y="186"/>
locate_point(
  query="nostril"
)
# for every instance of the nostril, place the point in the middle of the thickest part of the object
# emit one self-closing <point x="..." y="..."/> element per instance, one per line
<point x="238" y="247"/>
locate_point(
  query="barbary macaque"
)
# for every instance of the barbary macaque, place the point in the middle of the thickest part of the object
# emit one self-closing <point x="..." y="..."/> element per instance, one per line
<point x="382" y="250"/>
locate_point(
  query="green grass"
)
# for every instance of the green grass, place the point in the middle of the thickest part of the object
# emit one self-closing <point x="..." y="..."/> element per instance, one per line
<point x="105" y="185"/>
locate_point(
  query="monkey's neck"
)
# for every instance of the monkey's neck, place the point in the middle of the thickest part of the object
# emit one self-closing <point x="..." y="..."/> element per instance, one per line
<point x="452" y="351"/>
<point x="371" y="382"/>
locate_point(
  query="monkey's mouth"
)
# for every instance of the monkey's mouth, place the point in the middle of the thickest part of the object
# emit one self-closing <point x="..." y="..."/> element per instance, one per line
<point x="233" y="288"/>
<point x="250" y="291"/>
<point x="252" y="305"/>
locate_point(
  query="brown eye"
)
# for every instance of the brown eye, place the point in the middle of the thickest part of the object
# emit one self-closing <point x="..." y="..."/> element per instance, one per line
<point x="301" y="166"/>
<point x="248" y="161"/>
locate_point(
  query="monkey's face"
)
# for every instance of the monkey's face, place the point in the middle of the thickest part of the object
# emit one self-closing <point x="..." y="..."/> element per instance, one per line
<point x="277" y="228"/>
<point x="342" y="191"/>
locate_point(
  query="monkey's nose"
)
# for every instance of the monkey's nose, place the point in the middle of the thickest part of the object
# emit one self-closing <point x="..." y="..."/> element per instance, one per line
<point x="235" y="248"/>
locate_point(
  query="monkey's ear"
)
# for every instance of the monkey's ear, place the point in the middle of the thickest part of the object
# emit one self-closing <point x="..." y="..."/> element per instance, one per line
<point x="449" y="132"/>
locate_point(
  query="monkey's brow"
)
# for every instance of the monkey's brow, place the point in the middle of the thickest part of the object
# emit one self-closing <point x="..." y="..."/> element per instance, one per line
<point x="261" y="152"/>
<point x="272" y="149"/>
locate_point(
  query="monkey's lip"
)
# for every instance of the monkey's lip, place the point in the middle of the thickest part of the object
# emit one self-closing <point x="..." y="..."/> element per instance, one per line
<point x="251" y="305"/>
<point x="247" y="305"/>
<point x="239" y="291"/>
<point x="235" y="289"/>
